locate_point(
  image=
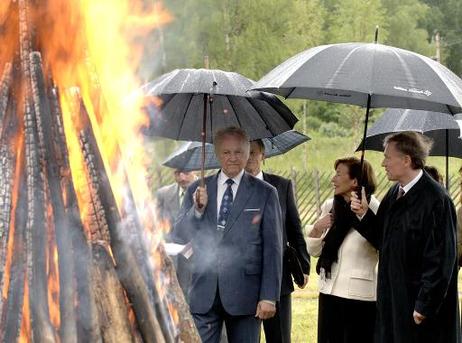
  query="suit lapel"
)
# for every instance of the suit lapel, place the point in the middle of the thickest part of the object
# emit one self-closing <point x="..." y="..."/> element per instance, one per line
<point x="244" y="192"/>
<point x="212" y="184"/>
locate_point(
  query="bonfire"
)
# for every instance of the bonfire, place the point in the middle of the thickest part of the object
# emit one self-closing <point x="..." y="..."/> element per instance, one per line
<point x="81" y="253"/>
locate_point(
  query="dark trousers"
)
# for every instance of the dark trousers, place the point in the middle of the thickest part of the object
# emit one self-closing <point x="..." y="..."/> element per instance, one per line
<point x="278" y="328"/>
<point x="343" y="320"/>
<point x="239" y="329"/>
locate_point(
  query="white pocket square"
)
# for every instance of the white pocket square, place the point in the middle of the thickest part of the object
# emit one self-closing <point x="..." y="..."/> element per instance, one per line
<point x="251" y="210"/>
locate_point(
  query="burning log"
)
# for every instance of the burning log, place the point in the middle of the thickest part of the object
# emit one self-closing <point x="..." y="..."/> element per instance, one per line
<point x="86" y="312"/>
<point x="112" y="308"/>
<point x="187" y="328"/>
<point x="36" y="235"/>
<point x="138" y="245"/>
<point x="5" y="84"/>
<point x="11" y="315"/>
<point x="139" y="248"/>
<point x="45" y="124"/>
<point x="6" y="188"/>
<point x="126" y="266"/>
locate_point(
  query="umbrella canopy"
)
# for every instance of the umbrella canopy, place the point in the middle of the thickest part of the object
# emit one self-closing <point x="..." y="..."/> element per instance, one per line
<point x="431" y="124"/>
<point x="188" y="156"/>
<point x="366" y="74"/>
<point x="178" y="105"/>
<point x="355" y="73"/>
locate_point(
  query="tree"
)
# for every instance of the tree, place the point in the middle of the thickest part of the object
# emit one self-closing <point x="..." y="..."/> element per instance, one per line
<point x="355" y="21"/>
<point x="405" y="25"/>
<point x="445" y="16"/>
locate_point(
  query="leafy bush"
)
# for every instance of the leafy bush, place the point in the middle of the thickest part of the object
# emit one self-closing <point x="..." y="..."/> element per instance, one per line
<point x="332" y="129"/>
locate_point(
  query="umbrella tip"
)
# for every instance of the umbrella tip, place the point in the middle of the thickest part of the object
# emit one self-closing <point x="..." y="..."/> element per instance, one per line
<point x="376" y="34"/>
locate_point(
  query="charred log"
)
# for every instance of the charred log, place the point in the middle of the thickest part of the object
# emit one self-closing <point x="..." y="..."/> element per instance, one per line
<point x="6" y="189"/>
<point x="138" y="246"/>
<point x="45" y="124"/>
<point x="187" y="329"/>
<point x="126" y="265"/>
<point x="5" y="85"/>
<point x="86" y="312"/>
<point x="11" y="315"/>
<point x="36" y="235"/>
<point x="110" y="298"/>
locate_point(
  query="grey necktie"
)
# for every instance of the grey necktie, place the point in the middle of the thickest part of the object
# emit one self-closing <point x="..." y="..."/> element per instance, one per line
<point x="181" y="196"/>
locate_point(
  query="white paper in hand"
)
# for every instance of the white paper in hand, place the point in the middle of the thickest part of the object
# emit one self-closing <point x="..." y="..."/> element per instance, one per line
<point x="174" y="249"/>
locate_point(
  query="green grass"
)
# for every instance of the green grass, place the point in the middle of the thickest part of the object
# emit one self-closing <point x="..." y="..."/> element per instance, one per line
<point x="305" y="311"/>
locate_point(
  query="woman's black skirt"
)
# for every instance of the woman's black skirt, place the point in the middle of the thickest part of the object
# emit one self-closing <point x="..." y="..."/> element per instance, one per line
<point x="342" y="320"/>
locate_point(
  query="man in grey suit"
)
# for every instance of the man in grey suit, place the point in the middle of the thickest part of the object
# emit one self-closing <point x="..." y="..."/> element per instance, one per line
<point x="235" y="226"/>
<point x="169" y="199"/>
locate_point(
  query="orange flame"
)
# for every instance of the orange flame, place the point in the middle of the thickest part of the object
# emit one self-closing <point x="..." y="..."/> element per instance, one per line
<point x="94" y="45"/>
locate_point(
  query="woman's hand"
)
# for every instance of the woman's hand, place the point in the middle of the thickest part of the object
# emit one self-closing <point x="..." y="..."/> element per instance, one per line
<point x="324" y="223"/>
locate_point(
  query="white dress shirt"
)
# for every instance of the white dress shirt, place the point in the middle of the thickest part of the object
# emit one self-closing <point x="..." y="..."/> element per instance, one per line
<point x="222" y="185"/>
<point x="259" y="175"/>
<point x="411" y="184"/>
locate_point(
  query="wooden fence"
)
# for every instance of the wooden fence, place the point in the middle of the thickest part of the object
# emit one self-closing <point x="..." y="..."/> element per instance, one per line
<point x="313" y="187"/>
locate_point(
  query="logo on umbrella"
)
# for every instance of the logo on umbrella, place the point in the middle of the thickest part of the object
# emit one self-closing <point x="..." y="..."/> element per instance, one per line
<point x="413" y="90"/>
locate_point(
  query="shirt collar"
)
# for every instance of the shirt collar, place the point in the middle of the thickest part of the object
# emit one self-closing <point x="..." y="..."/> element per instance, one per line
<point x="222" y="177"/>
<point x="411" y="184"/>
<point x="259" y="175"/>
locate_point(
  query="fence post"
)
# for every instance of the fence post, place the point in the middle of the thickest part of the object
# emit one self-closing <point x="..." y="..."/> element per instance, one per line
<point x="317" y="189"/>
<point x="293" y="177"/>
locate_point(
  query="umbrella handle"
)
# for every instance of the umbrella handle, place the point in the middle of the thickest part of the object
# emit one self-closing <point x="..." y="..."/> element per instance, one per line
<point x="363" y="146"/>
<point x="203" y="138"/>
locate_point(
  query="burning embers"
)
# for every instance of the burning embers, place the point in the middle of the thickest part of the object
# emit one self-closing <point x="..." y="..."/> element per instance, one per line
<point x="80" y="259"/>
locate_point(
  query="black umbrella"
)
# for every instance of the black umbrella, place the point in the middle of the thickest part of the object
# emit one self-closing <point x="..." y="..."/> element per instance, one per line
<point x="444" y="129"/>
<point x="179" y="110"/>
<point x="188" y="156"/>
<point x="366" y="74"/>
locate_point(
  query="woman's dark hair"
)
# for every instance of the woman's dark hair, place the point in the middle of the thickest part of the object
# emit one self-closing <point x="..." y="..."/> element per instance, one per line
<point x="354" y="171"/>
<point x="434" y="173"/>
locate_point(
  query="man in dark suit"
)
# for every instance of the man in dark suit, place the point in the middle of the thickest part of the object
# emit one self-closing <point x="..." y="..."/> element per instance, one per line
<point x="278" y="328"/>
<point x="169" y="200"/>
<point x="415" y="232"/>
<point x="234" y="224"/>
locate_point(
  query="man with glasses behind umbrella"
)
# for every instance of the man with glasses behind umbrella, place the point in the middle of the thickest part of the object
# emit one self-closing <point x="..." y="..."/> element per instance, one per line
<point x="234" y="225"/>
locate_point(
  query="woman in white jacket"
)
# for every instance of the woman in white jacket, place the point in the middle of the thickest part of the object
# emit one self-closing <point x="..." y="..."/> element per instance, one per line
<point x="347" y="264"/>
